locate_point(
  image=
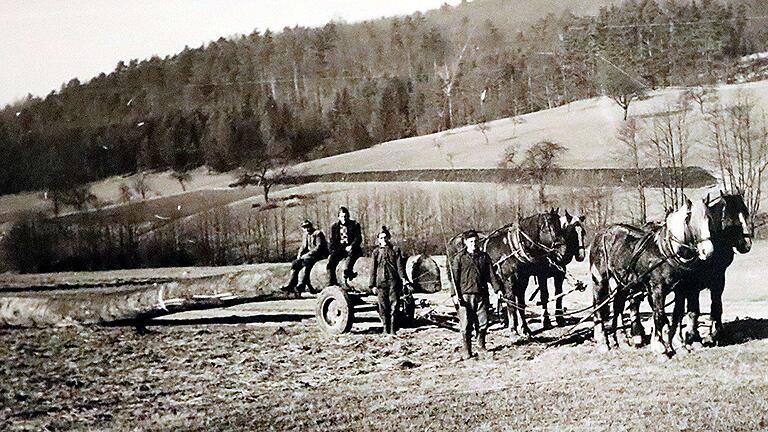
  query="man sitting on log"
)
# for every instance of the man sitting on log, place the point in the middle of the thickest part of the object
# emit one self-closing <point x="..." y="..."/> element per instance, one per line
<point x="314" y="248"/>
<point x="346" y="241"/>
<point x="472" y="272"/>
<point x="387" y="279"/>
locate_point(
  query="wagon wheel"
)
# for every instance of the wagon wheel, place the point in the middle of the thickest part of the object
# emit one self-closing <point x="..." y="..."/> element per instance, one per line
<point x="334" y="311"/>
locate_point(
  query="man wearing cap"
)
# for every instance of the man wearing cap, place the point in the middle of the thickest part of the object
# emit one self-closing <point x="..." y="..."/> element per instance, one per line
<point x="346" y="241"/>
<point x="472" y="271"/>
<point x="314" y="248"/>
<point x="387" y="279"/>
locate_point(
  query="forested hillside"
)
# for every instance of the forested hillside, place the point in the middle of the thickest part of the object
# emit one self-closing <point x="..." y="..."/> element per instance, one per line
<point x="307" y="92"/>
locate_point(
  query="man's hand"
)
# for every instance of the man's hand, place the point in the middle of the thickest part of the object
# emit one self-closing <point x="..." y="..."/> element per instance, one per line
<point x="348" y="249"/>
<point x="374" y="290"/>
<point x="457" y="301"/>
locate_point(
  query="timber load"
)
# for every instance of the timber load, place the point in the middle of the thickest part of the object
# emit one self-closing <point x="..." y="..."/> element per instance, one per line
<point x="135" y="297"/>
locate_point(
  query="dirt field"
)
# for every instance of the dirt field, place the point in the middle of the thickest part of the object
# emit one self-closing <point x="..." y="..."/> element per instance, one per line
<point x="267" y="367"/>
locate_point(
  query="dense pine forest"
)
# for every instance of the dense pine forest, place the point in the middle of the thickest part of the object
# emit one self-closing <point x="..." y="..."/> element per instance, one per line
<point x="302" y="93"/>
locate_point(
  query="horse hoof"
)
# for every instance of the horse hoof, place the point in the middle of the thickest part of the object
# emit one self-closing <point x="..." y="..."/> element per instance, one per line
<point x="709" y="341"/>
<point x="696" y="345"/>
<point x="658" y="347"/>
<point x="547" y="324"/>
<point x="560" y="321"/>
<point x="637" y="341"/>
<point x="603" y="348"/>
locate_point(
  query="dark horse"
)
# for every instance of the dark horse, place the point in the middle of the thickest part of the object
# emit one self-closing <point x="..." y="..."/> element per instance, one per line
<point x="651" y="262"/>
<point x="520" y="250"/>
<point x="730" y="231"/>
<point x="575" y="247"/>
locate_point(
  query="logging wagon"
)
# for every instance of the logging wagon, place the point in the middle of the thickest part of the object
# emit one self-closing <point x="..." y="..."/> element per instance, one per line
<point x="338" y="307"/>
<point x="136" y="297"/>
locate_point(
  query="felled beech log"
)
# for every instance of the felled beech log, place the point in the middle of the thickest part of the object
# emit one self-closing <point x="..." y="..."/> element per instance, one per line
<point x="137" y="302"/>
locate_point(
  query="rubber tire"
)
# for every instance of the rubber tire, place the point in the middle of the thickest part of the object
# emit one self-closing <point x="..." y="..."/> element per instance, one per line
<point x="334" y="311"/>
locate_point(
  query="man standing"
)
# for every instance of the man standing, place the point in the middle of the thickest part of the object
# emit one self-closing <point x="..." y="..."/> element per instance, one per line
<point x="314" y="248"/>
<point x="387" y="279"/>
<point x="346" y="241"/>
<point x="472" y="271"/>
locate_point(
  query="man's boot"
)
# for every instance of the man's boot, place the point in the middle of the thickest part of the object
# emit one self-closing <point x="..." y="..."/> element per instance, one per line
<point x="467" y="348"/>
<point x="481" y="342"/>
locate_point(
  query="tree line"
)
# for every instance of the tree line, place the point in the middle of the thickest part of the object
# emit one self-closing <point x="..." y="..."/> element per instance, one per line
<point x="274" y="98"/>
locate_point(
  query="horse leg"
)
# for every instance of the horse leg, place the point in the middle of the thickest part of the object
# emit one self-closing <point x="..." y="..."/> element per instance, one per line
<point x="544" y="293"/>
<point x="600" y="288"/>
<point x="677" y="339"/>
<point x="691" y="335"/>
<point x="510" y="300"/>
<point x="618" y="312"/>
<point x="520" y="291"/>
<point x="661" y="335"/>
<point x="637" y="331"/>
<point x="716" y="312"/>
<point x="559" y="318"/>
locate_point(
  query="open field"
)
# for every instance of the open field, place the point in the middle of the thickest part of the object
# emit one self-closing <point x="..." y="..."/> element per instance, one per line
<point x="267" y="367"/>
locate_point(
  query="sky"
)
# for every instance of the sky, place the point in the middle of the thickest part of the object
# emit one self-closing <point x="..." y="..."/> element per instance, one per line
<point x="48" y="42"/>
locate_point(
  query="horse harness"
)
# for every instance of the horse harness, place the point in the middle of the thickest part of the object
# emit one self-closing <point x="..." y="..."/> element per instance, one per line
<point x="515" y="237"/>
<point x="664" y="240"/>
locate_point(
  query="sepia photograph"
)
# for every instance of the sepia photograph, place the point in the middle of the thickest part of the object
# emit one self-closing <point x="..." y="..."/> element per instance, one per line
<point x="400" y="215"/>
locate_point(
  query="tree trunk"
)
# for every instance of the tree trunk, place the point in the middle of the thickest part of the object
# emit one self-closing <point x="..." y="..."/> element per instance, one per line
<point x="114" y="298"/>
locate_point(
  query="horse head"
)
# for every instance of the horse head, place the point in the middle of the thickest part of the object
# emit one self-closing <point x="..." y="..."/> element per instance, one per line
<point x="551" y="233"/>
<point x="573" y="230"/>
<point x="688" y="226"/>
<point x="730" y="215"/>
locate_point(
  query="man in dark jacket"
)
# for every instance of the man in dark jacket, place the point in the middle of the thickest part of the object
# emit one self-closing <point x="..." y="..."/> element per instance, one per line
<point x="313" y="248"/>
<point x="472" y="271"/>
<point x="387" y="279"/>
<point x="346" y="241"/>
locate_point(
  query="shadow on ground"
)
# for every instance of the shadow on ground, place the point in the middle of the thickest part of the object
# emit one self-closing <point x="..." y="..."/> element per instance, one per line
<point x="743" y="330"/>
<point x="232" y="319"/>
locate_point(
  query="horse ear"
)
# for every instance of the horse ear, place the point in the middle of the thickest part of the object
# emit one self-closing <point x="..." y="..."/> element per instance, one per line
<point x="557" y="210"/>
<point x="722" y="195"/>
<point x="706" y="200"/>
<point x="568" y="215"/>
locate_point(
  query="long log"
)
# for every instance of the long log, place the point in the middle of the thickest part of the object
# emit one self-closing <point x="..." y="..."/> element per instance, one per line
<point x="141" y="301"/>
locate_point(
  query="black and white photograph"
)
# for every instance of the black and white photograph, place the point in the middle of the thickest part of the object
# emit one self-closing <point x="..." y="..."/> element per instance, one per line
<point x="383" y="215"/>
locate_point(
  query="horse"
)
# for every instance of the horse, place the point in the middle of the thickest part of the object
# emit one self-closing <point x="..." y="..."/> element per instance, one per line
<point x="574" y="233"/>
<point x="532" y="246"/>
<point x="730" y="231"/>
<point x="651" y="262"/>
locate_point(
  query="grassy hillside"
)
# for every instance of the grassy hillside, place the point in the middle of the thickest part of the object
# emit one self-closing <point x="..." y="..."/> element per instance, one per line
<point x="587" y="128"/>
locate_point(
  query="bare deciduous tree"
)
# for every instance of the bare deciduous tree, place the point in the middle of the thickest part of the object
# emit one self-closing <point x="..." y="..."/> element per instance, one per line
<point x="141" y="186"/>
<point x="628" y="134"/>
<point x="622" y="87"/>
<point x="740" y="141"/>
<point x="182" y="177"/>
<point x="669" y="137"/>
<point x="539" y="162"/>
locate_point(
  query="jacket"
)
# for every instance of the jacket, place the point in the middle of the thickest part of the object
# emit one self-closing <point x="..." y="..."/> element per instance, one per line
<point x="473" y="272"/>
<point x="387" y="268"/>
<point x="314" y="245"/>
<point x="354" y="235"/>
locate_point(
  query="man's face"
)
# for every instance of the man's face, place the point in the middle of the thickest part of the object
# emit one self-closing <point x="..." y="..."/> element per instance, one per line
<point x="308" y="229"/>
<point x="470" y="243"/>
<point x="383" y="239"/>
<point x="342" y="217"/>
